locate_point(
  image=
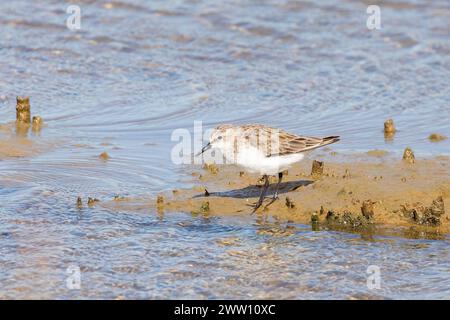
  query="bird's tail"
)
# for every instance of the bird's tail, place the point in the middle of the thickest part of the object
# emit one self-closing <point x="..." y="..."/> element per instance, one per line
<point x="329" y="140"/>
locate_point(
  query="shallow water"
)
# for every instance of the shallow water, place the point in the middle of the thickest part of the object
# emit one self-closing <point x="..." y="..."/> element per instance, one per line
<point x="137" y="70"/>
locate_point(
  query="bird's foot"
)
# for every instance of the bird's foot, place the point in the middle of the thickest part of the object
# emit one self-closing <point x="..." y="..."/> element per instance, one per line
<point x="258" y="204"/>
<point x="274" y="198"/>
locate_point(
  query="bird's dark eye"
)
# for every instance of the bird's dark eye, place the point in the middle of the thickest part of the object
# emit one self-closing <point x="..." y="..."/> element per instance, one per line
<point x="219" y="138"/>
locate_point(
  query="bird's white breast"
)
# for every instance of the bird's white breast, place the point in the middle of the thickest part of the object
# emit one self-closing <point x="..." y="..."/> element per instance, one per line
<point x="256" y="161"/>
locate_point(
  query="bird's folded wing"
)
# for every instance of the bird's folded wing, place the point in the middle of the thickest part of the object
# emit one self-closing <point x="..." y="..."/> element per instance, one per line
<point x="291" y="144"/>
<point x="276" y="142"/>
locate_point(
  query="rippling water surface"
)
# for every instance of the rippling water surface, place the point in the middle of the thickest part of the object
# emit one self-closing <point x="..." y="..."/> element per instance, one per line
<point x="139" y="69"/>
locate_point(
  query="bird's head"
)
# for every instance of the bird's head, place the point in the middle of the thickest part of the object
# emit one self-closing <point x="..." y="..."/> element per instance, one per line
<point x="221" y="138"/>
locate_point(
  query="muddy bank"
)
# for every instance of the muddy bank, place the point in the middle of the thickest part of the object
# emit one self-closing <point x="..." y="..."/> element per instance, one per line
<point x="15" y="136"/>
<point x="352" y="195"/>
<point x="18" y="140"/>
<point x="15" y="144"/>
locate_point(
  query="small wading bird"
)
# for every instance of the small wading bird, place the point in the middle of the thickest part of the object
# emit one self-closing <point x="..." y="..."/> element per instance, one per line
<point x="262" y="149"/>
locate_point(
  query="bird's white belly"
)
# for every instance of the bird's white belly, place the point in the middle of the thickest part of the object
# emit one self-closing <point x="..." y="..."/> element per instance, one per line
<point x="255" y="161"/>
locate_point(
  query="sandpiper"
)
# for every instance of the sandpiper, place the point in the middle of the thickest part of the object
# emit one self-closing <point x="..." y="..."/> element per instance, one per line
<point x="262" y="149"/>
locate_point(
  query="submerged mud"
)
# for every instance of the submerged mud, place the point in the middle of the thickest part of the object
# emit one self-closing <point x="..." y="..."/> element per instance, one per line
<point x="21" y="140"/>
<point x="17" y="138"/>
<point x="353" y="195"/>
<point x="15" y="142"/>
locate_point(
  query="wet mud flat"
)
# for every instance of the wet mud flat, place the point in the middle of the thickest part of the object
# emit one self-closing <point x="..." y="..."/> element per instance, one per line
<point x="373" y="191"/>
<point x="19" y="141"/>
<point x="16" y="137"/>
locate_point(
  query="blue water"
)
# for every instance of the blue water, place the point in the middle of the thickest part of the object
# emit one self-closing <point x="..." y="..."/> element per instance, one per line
<point x="137" y="70"/>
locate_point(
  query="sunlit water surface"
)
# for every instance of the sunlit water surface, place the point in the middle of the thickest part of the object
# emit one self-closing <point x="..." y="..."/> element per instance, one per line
<point x="139" y="69"/>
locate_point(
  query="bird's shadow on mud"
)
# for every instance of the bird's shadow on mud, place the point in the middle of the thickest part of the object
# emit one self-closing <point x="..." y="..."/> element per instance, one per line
<point x="254" y="190"/>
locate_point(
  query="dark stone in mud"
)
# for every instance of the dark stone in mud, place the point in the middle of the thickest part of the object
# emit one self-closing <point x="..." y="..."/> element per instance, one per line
<point x="322" y="210"/>
<point x="408" y="156"/>
<point x="317" y="169"/>
<point x="426" y="215"/>
<point x="37" y="123"/>
<point x="389" y="126"/>
<point x="212" y="168"/>
<point x="159" y="200"/>
<point x="104" y="156"/>
<point x="92" y="201"/>
<point x="204" y="208"/>
<point x="23" y="113"/>
<point x="367" y="209"/>
<point x="160" y="205"/>
<point x="389" y="129"/>
<point x="348" y="219"/>
<point x="289" y="203"/>
<point x="436" y="137"/>
<point x="79" y="202"/>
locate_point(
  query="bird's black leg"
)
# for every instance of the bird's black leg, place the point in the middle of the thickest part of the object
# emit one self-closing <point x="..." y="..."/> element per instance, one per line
<point x="262" y="195"/>
<point x="275" y="195"/>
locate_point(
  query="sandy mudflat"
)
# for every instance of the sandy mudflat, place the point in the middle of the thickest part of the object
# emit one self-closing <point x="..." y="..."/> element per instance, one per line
<point x="396" y="194"/>
<point x="19" y="141"/>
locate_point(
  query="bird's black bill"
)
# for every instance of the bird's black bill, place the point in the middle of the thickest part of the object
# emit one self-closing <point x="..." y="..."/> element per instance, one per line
<point x="207" y="147"/>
